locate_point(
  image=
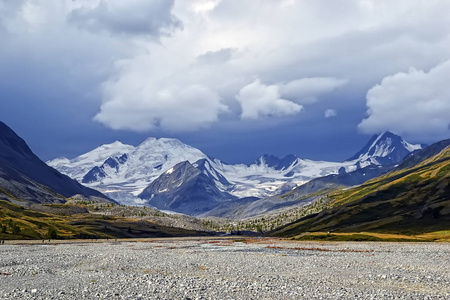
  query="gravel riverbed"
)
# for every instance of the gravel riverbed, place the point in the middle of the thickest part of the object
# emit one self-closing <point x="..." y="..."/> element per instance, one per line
<point x="224" y="269"/>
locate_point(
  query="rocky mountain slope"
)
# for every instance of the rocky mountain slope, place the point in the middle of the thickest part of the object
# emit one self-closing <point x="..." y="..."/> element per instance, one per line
<point x="25" y="178"/>
<point x="411" y="201"/>
<point x="185" y="189"/>
<point x="306" y="193"/>
<point x="384" y="149"/>
<point x="123" y="171"/>
<point x="417" y="157"/>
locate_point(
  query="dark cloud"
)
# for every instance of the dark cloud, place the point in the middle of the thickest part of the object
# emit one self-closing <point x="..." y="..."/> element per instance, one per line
<point x="136" y="17"/>
<point x="223" y="76"/>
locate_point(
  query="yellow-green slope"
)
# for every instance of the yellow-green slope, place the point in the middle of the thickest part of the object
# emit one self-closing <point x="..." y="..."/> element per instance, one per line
<point x="411" y="201"/>
<point x="17" y="222"/>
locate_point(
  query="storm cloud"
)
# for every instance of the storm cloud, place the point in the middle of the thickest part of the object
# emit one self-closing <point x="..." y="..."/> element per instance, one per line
<point x="229" y="66"/>
<point x="132" y="17"/>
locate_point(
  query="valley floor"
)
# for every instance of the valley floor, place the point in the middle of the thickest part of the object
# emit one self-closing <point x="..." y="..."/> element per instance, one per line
<point x="224" y="268"/>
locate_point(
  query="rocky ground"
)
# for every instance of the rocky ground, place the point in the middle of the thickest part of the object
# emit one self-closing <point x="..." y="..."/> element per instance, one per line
<point x="230" y="268"/>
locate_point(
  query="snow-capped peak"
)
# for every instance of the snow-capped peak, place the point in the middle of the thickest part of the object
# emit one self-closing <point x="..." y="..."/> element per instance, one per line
<point x="385" y="148"/>
<point x="123" y="171"/>
<point x="163" y="143"/>
<point x="164" y="150"/>
<point x="102" y="152"/>
<point x="132" y="168"/>
<point x="80" y="165"/>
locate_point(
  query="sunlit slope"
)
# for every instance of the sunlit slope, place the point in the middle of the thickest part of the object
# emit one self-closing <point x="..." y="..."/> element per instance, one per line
<point x="64" y="221"/>
<point x="410" y="201"/>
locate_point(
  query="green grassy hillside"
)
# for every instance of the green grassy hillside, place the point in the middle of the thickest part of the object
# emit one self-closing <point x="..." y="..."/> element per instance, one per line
<point x="412" y="201"/>
<point x="65" y="221"/>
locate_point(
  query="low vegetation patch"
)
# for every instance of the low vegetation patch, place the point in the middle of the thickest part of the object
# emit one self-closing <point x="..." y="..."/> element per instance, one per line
<point x="366" y="237"/>
<point x="20" y="223"/>
<point x="318" y="249"/>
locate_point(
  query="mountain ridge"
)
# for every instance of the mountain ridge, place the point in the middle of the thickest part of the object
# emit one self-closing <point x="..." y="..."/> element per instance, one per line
<point x="184" y="189"/>
<point x="410" y="201"/>
<point x="124" y="179"/>
<point x="387" y="148"/>
<point x="25" y="177"/>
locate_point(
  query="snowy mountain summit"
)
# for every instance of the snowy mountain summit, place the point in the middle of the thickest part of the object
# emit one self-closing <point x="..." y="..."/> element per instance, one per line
<point x="79" y="166"/>
<point x="123" y="172"/>
<point x="384" y="149"/>
<point x="186" y="189"/>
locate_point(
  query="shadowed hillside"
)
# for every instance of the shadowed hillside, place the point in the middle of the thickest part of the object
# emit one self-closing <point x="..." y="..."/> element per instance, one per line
<point x="24" y="178"/>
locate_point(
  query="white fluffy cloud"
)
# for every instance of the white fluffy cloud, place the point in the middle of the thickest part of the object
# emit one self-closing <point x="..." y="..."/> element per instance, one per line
<point x="414" y="103"/>
<point x="329" y="113"/>
<point x="141" y="108"/>
<point x="261" y="100"/>
<point x="257" y="100"/>
<point x="182" y="65"/>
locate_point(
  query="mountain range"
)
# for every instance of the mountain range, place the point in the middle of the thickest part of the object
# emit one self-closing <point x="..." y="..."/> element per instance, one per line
<point x="167" y="174"/>
<point x="389" y="186"/>
<point x="414" y="198"/>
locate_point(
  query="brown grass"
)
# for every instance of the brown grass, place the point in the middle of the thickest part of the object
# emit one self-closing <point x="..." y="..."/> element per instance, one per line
<point x="318" y="249"/>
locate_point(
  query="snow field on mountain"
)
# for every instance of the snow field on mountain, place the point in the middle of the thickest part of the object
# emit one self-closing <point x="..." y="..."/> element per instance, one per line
<point x="265" y="177"/>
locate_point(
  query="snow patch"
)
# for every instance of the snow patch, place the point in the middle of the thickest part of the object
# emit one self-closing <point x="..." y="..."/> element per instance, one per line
<point x="148" y="161"/>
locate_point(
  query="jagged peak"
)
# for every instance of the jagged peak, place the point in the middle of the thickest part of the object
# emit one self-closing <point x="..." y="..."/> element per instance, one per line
<point x="201" y="161"/>
<point x="383" y="144"/>
<point x="386" y="135"/>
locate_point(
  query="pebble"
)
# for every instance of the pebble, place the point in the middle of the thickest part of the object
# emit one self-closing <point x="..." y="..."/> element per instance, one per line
<point x="199" y="269"/>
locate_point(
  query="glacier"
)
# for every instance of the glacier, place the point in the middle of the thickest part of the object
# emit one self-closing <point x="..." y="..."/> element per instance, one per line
<point x="123" y="171"/>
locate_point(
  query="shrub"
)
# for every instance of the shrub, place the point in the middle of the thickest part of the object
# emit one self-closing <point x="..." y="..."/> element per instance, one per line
<point x="52" y="233"/>
<point x="15" y="229"/>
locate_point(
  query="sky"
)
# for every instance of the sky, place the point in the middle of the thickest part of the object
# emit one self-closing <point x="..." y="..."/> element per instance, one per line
<point x="236" y="79"/>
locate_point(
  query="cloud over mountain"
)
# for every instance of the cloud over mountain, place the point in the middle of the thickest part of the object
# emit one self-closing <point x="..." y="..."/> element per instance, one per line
<point x="220" y="66"/>
<point x="257" y="99"/>
<point x="136" y="106"/>
<point x="414" y="103"/>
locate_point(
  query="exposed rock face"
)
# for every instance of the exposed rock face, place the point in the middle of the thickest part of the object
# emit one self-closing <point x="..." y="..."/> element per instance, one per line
<point x="384" y="149"/>
<point x="185" y="189"/>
